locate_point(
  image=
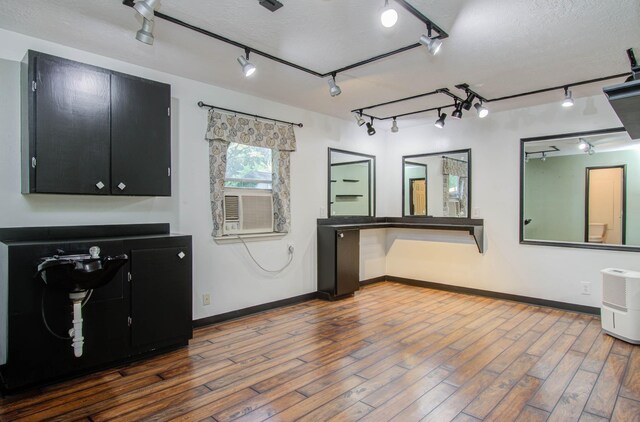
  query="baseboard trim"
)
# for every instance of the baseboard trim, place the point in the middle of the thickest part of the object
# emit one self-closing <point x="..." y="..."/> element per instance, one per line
<point x="374" y="280"/>
<point x="497" y="295"/>
<point x="203" y="322"/>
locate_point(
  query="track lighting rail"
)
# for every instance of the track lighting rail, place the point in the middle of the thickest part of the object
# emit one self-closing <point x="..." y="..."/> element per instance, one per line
<point x="441" y="35"/>
<point x="540" y="91"/>
<point x="255" y="116"/>
<point x="466" y="88"/>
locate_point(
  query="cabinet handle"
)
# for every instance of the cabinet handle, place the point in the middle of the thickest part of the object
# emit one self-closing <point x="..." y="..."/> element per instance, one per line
<point x="100" y="185"/>
<point x="181" y="255"/>
<point x="340" y="235"/>
<point x="121" y="186"/>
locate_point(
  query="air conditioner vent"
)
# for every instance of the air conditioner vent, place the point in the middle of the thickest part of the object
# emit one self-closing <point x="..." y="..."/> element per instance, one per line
<point x="248" y="211"/>
<point x="231" y="208"/>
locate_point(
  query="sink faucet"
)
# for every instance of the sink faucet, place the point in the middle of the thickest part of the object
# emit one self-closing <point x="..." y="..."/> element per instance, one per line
<point x="94" y="251"/>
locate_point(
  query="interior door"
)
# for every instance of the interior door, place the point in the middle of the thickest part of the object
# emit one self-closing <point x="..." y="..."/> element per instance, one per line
<point x="605" y="202"/>
<point x="141" y="136"/>
<point x="418" y="197"/>
<point x="72" y="127"/>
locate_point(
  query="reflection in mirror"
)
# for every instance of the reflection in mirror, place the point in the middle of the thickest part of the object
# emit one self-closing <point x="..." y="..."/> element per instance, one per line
<point x="351" y="183"/>
<point x="581" y="188"/>
<point x="437" y="184"/>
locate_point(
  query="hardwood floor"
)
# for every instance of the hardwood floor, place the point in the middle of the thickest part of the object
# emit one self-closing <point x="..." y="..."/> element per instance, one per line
<point x="393" y="352"/>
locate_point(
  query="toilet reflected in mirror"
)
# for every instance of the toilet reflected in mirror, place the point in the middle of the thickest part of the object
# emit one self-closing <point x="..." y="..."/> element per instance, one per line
<point x="581" y="189"/>
<point x="437" y="184"/>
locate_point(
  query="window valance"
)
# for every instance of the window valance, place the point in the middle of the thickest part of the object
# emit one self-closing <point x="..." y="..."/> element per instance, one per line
<point x="249" y="131"/>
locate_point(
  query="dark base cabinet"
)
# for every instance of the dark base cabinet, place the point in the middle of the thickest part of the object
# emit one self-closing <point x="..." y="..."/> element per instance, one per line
<point x="338" y="262"/>
<point x="146" y="307"/>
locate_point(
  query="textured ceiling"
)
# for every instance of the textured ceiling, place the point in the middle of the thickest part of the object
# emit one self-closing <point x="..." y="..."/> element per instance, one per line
<point x="499" y="47"/>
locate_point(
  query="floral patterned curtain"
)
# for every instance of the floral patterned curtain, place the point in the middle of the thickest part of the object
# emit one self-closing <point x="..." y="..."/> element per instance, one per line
<point x="452" y="167"/>
<point x="223" y="128"/>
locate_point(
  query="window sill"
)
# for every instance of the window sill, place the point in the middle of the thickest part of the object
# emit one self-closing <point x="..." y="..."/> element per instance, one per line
<point x="222" y="240"/>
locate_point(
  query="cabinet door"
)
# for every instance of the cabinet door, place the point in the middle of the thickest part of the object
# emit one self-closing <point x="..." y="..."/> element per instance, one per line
<point x="347" y="261"/>
<point x="140" y="136"/>
<point x="160" y="295"/>
<point x="72" y="127"/>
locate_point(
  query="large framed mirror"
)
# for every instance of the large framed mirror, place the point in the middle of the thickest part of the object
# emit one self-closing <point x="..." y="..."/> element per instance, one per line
<point x="581" y="190"/>
<point x="437" y="184"/>
<point x="351" y="184"/>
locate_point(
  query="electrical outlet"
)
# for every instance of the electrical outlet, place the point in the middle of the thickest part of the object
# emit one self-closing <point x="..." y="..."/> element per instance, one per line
<point x="323" y="212"/>
<point x="206" y="299"/>
<point x="475" y="213"/>
<point x="586" y="287"/>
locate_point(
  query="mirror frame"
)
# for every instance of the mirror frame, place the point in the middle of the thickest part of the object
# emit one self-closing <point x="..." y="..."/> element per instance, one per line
<point x="580" y="245"/>
<point x="372" y="183"/>
<point x="469" y="181"/>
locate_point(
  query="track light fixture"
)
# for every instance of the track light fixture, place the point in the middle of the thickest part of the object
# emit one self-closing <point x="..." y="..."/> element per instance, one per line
<point x="440" y="122"/>
<point x="432" y="44"/>
<point x="467" y="103"/>
<point x="482" y="110"/>
<point x="248" y="68"/>
<point x="334" y="89"/>
<point x="568" y="98"/>
<point x="145" y="34"/>
<point x="146" y="8"/>
<point x="370" y="129"/>
<point x="388" y="15"/>
<point x="457" y="113"/>
<point x="583" y="144"/>
<point x="394" y="126"/>
<point x="543" y="157"/>
<point x="358" y="117"/>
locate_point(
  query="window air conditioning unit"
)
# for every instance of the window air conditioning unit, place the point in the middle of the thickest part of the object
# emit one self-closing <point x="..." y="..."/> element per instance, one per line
<point x="620" y="312"/>
<point x="247" y="211"/>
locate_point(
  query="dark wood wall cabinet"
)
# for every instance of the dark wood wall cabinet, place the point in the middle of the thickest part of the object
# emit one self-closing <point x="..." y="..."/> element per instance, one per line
<point x="146" y="308"/>
<point x="93" y="131"/>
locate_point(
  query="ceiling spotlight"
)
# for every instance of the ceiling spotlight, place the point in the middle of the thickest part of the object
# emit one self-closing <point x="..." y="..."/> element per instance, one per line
<point x="432" y="44"/>
<point x="388" y="15"/>
<point x="526" y="158"/>
<point x="248" y="68"/>
<point x="467" y="103"/>
<point x="358" y="117"/>
<point x="334" y="89"/>
<point x="568" y="98"/>
<point x="457" y="113"/>
<point x="370" y="129"/>
<point x="146" y="8"/>
<point x="482" y="110"/>
<point x="440" y="122"/>
<point x="583" y="144"/>
<point x="544" y="156"/>
<point x="591" y="151"/>
<point x="145" y="34"/>
<point x="394" y="126"/>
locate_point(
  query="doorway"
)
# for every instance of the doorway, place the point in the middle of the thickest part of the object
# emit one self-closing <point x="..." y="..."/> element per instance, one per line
<point x="605" y="205"/>
<point x="418" y="195"/>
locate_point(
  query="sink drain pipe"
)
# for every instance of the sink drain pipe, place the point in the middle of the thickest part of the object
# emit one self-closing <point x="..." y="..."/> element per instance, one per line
<point x="77" y="340"/>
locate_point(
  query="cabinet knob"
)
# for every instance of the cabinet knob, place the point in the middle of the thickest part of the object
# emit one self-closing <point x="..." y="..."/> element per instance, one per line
<point x="340" y="235"/>
<point x="121" y="186"/>
<point x="100" y="185"/>
<point x="181" y="255"/>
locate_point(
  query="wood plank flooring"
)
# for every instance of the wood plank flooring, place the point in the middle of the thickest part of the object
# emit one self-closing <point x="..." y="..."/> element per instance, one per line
<point x="392" y="352"/>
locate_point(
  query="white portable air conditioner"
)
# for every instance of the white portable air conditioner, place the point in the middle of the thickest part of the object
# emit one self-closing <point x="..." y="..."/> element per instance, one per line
<point x="620" y="312"/>
<point x="247" y="211"/>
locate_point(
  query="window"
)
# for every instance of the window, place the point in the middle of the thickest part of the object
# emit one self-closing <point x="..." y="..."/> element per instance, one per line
<point x="248" y="167"/>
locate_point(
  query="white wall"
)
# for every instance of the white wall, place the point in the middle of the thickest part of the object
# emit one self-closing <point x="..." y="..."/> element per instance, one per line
<point x="540" y="271"/>
<point x="224" y="271"/>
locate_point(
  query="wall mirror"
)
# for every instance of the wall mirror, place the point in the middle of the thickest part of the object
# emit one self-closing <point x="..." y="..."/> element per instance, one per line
<point x="437" y="184"/>
<point x="351" y="183"/>
<point x="581" y="190"/>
